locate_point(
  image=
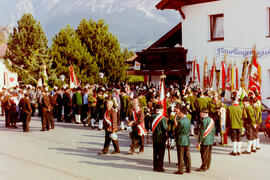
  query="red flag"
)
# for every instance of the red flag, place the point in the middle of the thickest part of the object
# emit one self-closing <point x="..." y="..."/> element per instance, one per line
<point x="162" y="97"/>
<point x="254" y="75"/>
<point x="224" y="74"/>
<point x="73" y="78"/>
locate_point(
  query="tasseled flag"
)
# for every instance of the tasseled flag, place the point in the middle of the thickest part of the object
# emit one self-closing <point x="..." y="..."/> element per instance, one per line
<point x="196" y="73"/>
<point x="234" y="79"/>
<point x="223" y="75"/>
<point x="74" y="83"/>
<point x="228" y="82"/>
<point x="205" y="75"/>
<point x="162" y="97"/>
<point x="213" y="79"/>
<point x="254" y="77"/>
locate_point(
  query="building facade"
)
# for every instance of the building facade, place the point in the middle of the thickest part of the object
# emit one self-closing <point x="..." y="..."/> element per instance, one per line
<point x="212" y="28"/>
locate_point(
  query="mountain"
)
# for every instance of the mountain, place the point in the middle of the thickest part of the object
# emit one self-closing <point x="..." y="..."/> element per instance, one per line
<point x="136" y="23"/>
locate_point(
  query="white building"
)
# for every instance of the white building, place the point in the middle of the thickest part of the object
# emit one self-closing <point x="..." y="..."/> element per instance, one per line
<point x="7" y="78"/>
<point x="214" y="27"/>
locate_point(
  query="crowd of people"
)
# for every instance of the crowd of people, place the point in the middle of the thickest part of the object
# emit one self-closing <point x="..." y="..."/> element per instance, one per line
<point x="190" y="111"/>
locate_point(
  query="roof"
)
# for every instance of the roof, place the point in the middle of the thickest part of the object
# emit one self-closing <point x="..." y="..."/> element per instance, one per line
<point x="170" y="39"/>
<point x="3" y="49"/>
<point x="131" y="58"/>
<point x="177" y="4"/>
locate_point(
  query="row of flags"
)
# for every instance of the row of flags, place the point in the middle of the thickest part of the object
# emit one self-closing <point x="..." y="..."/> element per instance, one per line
<point x="227" y="79"/>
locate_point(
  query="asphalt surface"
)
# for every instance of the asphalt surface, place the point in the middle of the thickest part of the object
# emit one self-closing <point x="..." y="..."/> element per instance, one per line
<point x="70" y="152"/>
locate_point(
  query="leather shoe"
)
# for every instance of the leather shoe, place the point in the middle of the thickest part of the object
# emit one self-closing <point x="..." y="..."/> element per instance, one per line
<point x="233" y="153"/>
<point x="253" y="151"/>
<point x="130" y="152"/>
<point x="188" y="171"/>
<point x="102" y="153"/>
<point x="115" y="152"/>
<point x="178" y="172"/>
<point x="238" y="154"/>
<point x="200" y="170"/>
<point x="245" y="152"/>
<point x="258" y="148"/>
<point x="161" y="170"/>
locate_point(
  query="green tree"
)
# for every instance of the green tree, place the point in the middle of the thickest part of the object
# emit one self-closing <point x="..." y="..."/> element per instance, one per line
<point x="67" y="50"/>
<point x="28" y="51"/>
<point x="3" y="32"/>
<point x="105" y="49"/>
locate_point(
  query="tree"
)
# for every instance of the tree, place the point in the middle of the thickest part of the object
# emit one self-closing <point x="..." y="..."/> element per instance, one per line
<point x="67" y="50"/>
<point x="105" y="49"/>
<point x="28" y="51"/>
<point x="3" y="32"/>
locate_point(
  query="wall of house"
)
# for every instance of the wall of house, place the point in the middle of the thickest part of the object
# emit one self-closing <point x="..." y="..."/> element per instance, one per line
<point x="245" y="23"/>
<point x="11" y="78"/>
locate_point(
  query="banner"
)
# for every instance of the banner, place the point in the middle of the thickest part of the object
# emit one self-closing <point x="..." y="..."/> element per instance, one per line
<point x="241" y="52"/>
<point x="137" y="66"/>
<point x="74" y="82"/>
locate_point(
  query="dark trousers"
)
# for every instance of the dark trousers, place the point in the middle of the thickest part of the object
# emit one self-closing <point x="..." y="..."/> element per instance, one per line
<point x="2" y="110"/>
<point x="250" y="133"/>
<point x="93" y="112"/>
<point x="13" y="115"/>
<point x="235" y="135"/>
<point x="33" y="109"/>
<point x="184" y="158"/>
<point x="46" y="115"/>
<point x="206" y="151"/>
<point x="67" y="115"/>
<point x="58" y="113"/>
<point x="85" y="111"/>
<point x="136" y="141"/>
<point x="108" y="141"/>
<point x="25" y="117"/>
<point x="158" y="155"/>
<point x="51" y="120"/>
<point x="7" y="118"/>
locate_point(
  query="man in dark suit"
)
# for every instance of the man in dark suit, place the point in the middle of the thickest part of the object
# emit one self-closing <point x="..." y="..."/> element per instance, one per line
<point x="6" y="105"/>
<point x="110" y="126"/>
<point x="46" y="108"/>
<point x="25" y="112"/>
<point x="58" y="105"/>
<point x="67" y="103"/>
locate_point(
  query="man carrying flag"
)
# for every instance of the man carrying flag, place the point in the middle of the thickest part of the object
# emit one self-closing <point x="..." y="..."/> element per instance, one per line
<point x="159" y="129"/>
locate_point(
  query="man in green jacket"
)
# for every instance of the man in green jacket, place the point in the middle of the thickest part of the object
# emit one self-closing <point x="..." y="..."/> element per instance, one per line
<point x="235" y="124"/>
<point x="258" y="108"/>
<point x="159" y="129"/>
<point x="250" y="125"/>
<point x="182" y="129"/>
<point x="206" y="139"/>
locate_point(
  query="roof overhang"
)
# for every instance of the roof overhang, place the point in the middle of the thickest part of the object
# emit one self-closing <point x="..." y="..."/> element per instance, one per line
<point x="178" y="4"/>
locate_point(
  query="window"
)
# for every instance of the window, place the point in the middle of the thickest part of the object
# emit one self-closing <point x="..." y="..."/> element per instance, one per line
<point x="216" y="27"/>
<point x="268" y="13"/>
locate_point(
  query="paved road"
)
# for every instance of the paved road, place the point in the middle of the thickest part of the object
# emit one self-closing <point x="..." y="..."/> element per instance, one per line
<point x="70" y="152"/>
